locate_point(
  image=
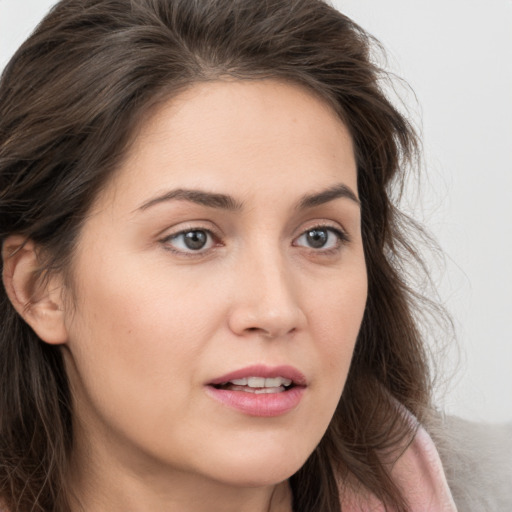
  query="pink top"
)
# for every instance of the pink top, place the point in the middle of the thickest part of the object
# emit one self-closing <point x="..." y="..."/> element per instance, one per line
<point x="419" y="474"/>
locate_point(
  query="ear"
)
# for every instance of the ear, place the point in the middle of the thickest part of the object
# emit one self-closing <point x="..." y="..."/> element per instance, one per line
<point x="38" y="300"/>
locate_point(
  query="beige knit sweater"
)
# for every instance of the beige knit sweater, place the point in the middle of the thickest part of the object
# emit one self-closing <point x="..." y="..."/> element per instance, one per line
<point x="477" y="459"/>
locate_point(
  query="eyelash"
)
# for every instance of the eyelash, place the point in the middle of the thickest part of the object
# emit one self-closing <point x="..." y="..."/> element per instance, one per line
<point x="342" y="238"/>
<point x="190" y="253"/>
<point x="341" y="235"/>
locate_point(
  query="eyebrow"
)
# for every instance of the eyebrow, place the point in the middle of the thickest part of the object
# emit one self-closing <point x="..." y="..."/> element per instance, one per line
<point x="335" y="192"/>
<point x="210" y="199"/>
<point x="226" y="202"/>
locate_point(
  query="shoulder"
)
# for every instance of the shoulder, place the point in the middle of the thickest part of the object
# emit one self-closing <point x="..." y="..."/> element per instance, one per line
<point x="477" y="460"/>
<point x="418" y="472"/>
<point x="451" y="465"/>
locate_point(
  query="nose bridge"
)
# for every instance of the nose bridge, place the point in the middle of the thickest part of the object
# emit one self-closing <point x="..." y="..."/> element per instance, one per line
<point x="267" y="301"/>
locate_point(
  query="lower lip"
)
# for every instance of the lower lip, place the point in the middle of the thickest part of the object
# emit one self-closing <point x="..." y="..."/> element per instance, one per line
<point x="263" y="405"/>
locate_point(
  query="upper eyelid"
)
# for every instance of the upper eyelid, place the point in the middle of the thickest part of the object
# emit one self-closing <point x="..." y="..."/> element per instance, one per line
<point x="216" y="232"/>
<point x="185" y="231"/>
<point x="170" y="233"/>
<point x="333" y="226"/>
<point x="185" y="227"/>
<point x="343" y="236"/>
<point x="166" y="240"/>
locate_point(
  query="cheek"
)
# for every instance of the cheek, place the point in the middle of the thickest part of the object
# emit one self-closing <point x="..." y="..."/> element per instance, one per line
<point x="140" y="329"/>
<point x="134" y="351"/>
<point x="336" y="325"/>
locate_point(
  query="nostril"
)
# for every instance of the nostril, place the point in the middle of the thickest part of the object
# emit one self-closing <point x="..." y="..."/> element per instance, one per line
<point x="260" y="330"/>
<point x="270" y="333"/>
<point x="260" y="320"/>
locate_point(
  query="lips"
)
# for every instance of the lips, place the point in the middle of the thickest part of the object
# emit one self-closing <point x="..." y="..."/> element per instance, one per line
<point x="266" y="372"/>
<point x="260" y="390"/>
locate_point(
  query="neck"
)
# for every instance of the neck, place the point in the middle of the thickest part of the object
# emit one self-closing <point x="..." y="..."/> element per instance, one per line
<point x="102" y="483"/>
<point x="120" y="494"/>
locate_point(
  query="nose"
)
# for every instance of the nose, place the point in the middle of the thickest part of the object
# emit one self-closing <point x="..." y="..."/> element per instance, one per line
<point x="266" y="299"/>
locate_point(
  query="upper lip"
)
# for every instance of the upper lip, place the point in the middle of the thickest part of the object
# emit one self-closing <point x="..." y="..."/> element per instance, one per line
<point x="286" y="371"/>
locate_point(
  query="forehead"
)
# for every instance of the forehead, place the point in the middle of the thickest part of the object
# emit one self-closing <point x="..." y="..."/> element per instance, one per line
<point x="238" y="134"/>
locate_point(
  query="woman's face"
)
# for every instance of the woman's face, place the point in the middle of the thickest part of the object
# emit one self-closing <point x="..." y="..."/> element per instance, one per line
<point x="226" y="248"/>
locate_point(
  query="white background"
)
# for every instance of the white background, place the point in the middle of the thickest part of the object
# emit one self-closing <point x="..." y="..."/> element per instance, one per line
<point x="457" y="57"/>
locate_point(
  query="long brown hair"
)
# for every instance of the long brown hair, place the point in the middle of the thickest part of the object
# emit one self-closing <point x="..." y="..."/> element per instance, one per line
<point x="70" y="101"/>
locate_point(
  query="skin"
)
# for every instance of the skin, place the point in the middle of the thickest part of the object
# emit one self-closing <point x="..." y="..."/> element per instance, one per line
<point x="149" y="322"/>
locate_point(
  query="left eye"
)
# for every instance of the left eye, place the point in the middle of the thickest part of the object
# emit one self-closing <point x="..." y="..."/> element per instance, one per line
<point x="193" y="240"/>
<point x="320" y="238"/>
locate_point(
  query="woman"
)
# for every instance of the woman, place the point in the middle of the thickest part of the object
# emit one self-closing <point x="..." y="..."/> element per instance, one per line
<point x="205" y="306"/>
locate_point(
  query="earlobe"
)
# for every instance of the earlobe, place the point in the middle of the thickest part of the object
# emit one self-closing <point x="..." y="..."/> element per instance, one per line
<point x="39" y="301"/>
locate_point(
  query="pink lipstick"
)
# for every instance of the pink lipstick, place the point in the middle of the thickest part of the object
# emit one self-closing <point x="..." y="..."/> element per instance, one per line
<point x="260" y="390"/>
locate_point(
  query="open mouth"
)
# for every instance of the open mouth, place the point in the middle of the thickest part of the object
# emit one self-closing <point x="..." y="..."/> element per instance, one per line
<point x="257" y="385"/>
<point x="260" y="390"/>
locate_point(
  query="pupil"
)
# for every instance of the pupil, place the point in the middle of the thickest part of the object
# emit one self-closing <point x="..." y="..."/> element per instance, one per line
<point x="317" y="238"/>
<point x="195" y="239"/>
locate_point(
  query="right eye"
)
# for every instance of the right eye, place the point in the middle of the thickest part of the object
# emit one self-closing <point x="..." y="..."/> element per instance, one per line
<point x="322" y="238"/>
<point x="190" y="241"/>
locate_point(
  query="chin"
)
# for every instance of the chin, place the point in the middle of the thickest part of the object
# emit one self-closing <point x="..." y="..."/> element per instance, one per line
<point x="265" y="467"/>
<point x="247" y="477"/>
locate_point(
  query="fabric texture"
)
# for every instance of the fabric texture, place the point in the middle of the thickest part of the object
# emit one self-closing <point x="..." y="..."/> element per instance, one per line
<point x="477" y="459"/>
<point x="419" y="474"/>
<point x="459" y="466"/>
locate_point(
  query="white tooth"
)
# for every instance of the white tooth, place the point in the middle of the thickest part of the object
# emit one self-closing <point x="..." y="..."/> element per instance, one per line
<point x="261" y="382"/>
<point x="268" y="390"/>
<point x="239" y="382"/>
<point x="256" y="382"/>
<point x="246" y="389"/>
<point x="273" y="382"/>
